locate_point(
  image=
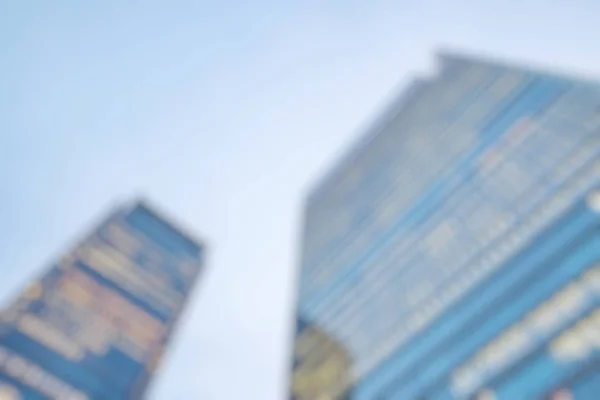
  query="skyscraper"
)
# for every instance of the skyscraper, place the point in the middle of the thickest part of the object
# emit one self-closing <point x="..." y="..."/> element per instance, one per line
<point x="95" y="324"/>
<point x="454" y="253"/>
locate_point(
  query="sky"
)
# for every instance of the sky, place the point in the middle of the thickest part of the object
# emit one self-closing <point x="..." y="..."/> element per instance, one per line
<point x="223" y="114"/>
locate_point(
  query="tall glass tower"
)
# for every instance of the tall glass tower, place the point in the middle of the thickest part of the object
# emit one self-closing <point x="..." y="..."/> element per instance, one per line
<point x="94" y="326"/>
<point x="454" y="253"/>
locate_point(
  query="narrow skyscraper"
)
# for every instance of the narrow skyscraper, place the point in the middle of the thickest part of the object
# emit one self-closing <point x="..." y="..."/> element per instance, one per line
<point x="95" y="325"/>
<point x="455" y="252"/>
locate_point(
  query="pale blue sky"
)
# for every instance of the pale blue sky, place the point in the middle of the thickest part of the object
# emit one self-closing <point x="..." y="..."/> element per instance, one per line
<point x="222" y="113"/>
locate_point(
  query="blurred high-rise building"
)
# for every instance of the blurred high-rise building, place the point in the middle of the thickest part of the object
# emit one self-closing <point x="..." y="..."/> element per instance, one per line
<point x="454" y="253"/>
<point x="95" y="324"/>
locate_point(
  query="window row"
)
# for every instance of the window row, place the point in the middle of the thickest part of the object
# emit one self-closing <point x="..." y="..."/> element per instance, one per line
<point x="88" y="294"/>
<point x="50" y="337"/>
<point x="147" y="256"/>
<point x="578" y="343"/>
<point x="546" y="319"/>
<point x="122" y="271"/>
<point x="31" y="375"/>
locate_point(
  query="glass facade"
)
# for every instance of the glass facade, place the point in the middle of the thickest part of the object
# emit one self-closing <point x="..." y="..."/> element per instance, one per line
<point x="95" y="325"/>
<point x="453" y="250"/>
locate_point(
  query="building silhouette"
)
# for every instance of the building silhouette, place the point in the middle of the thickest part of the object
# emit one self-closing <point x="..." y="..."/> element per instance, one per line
<point x="454" y="251"/>
<point x="96" y="323"/>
